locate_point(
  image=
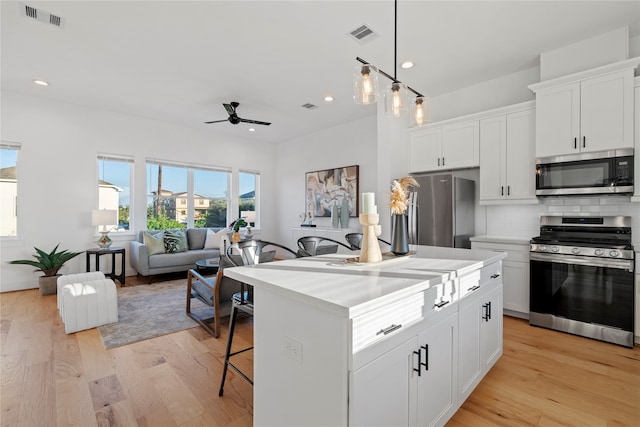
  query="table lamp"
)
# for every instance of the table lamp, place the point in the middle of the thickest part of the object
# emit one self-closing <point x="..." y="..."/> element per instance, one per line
<point x="104" y="218"/>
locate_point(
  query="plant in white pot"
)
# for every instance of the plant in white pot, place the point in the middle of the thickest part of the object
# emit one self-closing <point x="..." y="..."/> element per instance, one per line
<point x="49" y="263"/>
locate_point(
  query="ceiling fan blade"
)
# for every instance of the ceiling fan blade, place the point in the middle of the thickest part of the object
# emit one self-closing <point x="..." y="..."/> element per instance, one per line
<point x="216" y="121"/>
<point x="229" y="109"/>
<point x="255" y="122"/>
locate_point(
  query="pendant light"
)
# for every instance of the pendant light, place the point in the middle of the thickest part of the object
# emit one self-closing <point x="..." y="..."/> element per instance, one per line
<point x="395" y="95"/>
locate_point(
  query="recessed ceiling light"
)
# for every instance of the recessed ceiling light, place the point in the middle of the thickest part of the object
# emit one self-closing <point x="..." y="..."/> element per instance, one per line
<point x="252" y="130"/>
<point x="40" y="82"/>
<point x="407" y="64"/>
<point x="328" y="98"/>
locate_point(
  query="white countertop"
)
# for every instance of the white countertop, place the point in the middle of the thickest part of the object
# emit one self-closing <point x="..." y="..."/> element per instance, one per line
<point x="501" y="239"/>
<point x="350" y="288"/>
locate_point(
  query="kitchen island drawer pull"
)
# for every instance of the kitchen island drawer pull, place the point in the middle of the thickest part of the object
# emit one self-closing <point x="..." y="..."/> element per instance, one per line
<point x="389" y="329"/>
<point x="441" y="304"/>
<point x="495" y="276"/>
<point x="474" y="288"/>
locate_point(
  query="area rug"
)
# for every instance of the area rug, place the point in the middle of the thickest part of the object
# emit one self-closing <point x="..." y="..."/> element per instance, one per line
<point x="148" y="311"/>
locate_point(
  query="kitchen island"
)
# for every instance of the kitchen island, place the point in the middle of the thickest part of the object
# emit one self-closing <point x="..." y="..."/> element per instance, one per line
<point x="400" y="342"/>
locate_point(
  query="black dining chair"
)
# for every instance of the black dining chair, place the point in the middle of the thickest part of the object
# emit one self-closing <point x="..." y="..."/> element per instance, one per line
<point x="313" y="245"/>
<point x="248" y="252"/>
<point x="355" y="240"/>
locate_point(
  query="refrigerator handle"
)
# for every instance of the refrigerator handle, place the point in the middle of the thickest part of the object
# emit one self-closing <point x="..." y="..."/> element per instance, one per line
<point x="412" y="211"/>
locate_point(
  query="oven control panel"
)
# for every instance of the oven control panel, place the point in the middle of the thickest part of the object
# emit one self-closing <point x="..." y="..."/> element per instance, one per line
<point x="583" y="251"/>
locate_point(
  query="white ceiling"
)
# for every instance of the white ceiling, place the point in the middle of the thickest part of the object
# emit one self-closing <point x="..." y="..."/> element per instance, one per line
<point x="178" y="61"/>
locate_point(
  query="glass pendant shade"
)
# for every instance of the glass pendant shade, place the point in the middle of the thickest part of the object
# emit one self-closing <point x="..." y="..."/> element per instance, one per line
<point x="395" y="100"/>
<point x="420" y="112"/>
<point x="365" y="87"/>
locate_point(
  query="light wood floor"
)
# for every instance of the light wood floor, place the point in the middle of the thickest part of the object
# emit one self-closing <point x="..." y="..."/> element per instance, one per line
<point x="48" y="378"/>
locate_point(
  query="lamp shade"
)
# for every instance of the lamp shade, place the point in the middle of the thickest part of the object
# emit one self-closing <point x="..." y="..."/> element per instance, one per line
<point x="395" y="99"/>
<point x="420" y="111"/>
<point x="104" y="217"/>
<point x="365" y="84"/>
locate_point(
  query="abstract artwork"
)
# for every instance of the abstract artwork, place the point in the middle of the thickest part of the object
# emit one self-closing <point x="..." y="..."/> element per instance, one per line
<point x="327" y="188"/>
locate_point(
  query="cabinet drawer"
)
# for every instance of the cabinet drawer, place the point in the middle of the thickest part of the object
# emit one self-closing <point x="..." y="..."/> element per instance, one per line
<point x="374" y="326"/>
<point x="515" y="252"/>
<point x="487" y="276"/>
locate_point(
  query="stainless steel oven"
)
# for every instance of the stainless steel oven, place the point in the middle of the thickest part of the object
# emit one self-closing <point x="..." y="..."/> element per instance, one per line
<point x="582" y="277"/>
<point x="609" y="172"/>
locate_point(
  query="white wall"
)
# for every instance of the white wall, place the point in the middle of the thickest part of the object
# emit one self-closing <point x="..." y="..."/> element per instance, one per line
<point x="350" y="144"/>
<point x="58" y="173"/>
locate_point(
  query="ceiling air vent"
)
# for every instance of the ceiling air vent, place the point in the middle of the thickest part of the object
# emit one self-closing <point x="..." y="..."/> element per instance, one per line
<point x="309" y="106"/>
<point x="42" y="16"/>
<point x="363" y="34"/>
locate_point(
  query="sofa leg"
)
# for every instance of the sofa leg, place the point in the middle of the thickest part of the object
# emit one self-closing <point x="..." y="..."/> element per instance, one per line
<point x="150" y="279"/>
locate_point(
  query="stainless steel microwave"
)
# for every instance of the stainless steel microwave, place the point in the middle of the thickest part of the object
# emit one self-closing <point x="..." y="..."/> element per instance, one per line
<point x="608" y="172"/>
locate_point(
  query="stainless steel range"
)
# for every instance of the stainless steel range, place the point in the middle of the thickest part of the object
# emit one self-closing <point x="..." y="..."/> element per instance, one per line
<point x="582" y="279"/>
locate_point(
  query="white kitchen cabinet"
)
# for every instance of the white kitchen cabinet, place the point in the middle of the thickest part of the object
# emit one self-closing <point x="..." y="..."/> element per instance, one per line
<point x="452" y="146"/>
<point x="479" y="332"/>
<point x="507" y="158"/>
<point x="411" y="385"/>
<point x="515" y="271"/>
<point x="585" y="112"/>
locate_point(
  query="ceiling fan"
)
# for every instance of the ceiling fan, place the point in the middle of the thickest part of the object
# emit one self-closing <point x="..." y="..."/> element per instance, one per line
<point x="233" y="116"/>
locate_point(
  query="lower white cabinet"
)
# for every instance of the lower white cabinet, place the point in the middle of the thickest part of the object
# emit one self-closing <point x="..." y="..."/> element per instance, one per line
<point x="515" y="270"/>
<point x="479" y="334"/>
<point x="412" y="384"/>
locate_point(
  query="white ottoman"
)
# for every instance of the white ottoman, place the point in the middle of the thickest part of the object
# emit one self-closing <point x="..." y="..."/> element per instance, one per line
<point x="90" y="304"/>
<point x="68" y="279"/>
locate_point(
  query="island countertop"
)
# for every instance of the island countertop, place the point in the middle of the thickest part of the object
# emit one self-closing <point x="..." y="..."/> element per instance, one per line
<point x="335" y="282"/>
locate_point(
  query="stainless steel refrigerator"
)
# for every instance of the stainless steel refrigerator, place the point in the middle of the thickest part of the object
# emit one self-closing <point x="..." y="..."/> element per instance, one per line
<point x="442" y="211"/>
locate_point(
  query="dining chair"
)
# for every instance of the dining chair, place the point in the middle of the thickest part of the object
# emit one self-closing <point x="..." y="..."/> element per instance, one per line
<point x="355" y="240"/>
<point x="311" y="246"/>
<point x="248" y="252"/>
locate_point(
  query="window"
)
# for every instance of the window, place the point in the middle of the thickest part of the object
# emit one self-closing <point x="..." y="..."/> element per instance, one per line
<point x="114" y="187"/>
<point x="248" y="186"/>
<point x="9" y="189"/>
<point x="180" y="196"/>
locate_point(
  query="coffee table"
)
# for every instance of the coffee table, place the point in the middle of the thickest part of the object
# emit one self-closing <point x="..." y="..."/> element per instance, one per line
<point x="208" y="265"/>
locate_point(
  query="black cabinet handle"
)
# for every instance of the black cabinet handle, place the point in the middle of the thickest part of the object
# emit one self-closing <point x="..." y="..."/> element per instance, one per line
<point x="584" y="141"/>
<point x="575" y="143"/>
<point x="473" y="288"/>
<point x="502" y="190"/>
<point x="489" y="303"/>
<point x="495" y="276"/>
<point x="485" y="312"/>
<point x="426" y="356"/>
<point x="443" y="161"/>
<point x="508" y="190"/>
<point x="438" y="161"/>
<point x="419" y="368"/>
<point x="441" y="304"/>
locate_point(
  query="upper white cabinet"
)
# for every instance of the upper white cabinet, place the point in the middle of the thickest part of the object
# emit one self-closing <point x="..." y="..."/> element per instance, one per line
<point x="585" y="112"/>
<point x="507" y="157"/>
<point x="442" y="147"/>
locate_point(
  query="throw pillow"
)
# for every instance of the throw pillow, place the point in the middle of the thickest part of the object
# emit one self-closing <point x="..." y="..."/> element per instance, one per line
<point x="175" y="241"/>
<point x="213" y="239"/>
<point x="155" y="243"/>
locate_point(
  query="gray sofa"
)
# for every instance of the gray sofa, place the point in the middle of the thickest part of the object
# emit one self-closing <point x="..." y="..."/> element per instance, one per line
<point x="149" y="265"/>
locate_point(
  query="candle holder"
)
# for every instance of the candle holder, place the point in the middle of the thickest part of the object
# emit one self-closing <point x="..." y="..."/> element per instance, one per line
<point x="370" y="248"/>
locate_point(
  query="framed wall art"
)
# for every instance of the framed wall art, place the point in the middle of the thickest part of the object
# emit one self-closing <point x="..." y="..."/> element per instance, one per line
<point x="327" y="188"/>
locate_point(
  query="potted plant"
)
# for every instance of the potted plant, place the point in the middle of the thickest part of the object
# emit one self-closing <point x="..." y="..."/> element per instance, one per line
<point x="235" y="226"/>
<point x="49" y="263"/>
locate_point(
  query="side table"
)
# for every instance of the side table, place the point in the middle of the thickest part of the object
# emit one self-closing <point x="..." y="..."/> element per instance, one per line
<point x="209" y="265"/>
<point x="105" y="251"/>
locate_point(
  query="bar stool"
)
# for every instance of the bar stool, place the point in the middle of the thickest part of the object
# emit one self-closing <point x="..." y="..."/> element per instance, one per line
<point x="248" y="252"/>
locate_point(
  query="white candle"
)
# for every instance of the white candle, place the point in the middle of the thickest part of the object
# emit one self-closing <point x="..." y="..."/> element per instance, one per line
<point x="368" y="203"/>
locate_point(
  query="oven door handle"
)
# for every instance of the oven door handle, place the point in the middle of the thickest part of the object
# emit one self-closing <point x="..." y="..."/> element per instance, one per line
<point x="621" y="264"/>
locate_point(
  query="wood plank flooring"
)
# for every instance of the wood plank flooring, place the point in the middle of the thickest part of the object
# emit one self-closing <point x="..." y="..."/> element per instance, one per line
<point x="49" y="378"/>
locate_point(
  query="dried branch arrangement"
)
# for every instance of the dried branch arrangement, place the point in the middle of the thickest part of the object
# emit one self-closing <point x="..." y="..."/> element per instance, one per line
<point x="400" y="194"/>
